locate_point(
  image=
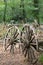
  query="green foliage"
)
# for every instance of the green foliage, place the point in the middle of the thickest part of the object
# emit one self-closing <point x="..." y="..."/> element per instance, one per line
<point x="14" y="10"/>
<point x="41" y="58"/>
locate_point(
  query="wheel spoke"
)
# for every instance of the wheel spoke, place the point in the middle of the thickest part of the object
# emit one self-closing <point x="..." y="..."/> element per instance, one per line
<point x="13" y="37"/>
<point x="27" y="47"/>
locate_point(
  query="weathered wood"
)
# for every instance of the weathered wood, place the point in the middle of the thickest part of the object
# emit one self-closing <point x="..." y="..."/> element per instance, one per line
<point x="27" y="38"/>
<point x="41" y="49"/>
<point x="13" y="38"/>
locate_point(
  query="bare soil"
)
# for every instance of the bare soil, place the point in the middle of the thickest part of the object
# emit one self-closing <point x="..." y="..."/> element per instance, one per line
<point x="6" y="58"/>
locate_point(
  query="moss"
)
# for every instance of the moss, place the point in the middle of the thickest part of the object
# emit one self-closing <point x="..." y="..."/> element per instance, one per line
<point x="41" y="58"/>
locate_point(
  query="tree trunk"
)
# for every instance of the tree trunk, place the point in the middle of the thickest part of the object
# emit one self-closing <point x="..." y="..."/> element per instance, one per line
<point x="36" y="11"/>
<point x="4" y="18"/>
<point x="23" y="11"/>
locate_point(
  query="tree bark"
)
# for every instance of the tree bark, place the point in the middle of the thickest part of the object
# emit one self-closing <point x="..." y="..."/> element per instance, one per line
<point x="23" y="11"/>
<point x="4" y="18"/>
<point x="36" y="11"/>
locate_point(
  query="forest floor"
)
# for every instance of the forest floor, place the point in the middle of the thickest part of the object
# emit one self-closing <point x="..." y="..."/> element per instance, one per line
<point x="6" y="58"/>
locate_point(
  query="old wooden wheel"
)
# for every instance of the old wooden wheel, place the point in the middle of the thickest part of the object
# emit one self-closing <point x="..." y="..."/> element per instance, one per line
<point x="40" y="38"/>
<point x="12" y="37"/>
<point x="28" y="48"/>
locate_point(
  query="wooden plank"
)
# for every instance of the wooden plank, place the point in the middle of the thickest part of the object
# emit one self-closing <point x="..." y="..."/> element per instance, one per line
<point x="33" y="44"/>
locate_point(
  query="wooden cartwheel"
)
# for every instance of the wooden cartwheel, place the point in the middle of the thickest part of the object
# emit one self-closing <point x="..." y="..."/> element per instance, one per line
<point x="40" y="38"/>
<point x="12" y="37"/>
<point x="28" y="46"/>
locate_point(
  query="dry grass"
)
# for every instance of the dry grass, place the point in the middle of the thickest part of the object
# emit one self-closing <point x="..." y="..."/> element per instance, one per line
<point x="3" y="30"/>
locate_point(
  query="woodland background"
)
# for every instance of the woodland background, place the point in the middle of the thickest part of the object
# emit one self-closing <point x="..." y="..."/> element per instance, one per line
<point x="21" y="11"/>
